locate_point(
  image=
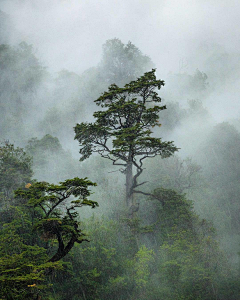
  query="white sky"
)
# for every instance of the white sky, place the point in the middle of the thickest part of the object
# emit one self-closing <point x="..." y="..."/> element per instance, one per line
<point x="69" y="33"/>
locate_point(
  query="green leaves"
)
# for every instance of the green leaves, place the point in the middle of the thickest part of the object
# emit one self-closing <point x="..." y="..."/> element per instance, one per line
<point x="57" y="216"/>
<point x="122" y="130"/>
<point x="49" y="213"/>
<point x="15" y="168"/>
<point x="22" y="266"/>
<point x="142" y="90"/>
<point x="143" y="258"/>
<point x="125" y="126"/>
<point x="51" y="194"/>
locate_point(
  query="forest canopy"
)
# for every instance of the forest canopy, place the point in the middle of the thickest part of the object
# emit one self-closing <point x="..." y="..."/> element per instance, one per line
<point x="167" y="225"/>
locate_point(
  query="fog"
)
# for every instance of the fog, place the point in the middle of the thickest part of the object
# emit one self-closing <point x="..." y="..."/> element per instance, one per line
<point x="57" y="68"/>
<point x="179" y="36"/>
<point x="182" y="38"/>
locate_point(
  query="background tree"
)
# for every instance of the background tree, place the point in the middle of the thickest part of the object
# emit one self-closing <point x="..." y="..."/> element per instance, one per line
<point x="15" y="170"/>
<point x="50" y="161"/>
<point x="218" y="200"/>
<point x="177" y="256"/>
<point x="190" y="264"/>
<point x="181" y="175"/>
<point x="122" y="132"/>
<point x="21" y="76"/>
<point x="122" y="63"/>
<point x="184" y="86"/>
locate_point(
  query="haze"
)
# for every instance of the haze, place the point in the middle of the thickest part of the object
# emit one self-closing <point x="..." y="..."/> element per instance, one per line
<point x="69" y="34"/>
<point x="78" y="49"/>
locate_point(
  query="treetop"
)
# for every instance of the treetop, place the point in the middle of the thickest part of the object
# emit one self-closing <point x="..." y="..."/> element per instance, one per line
<point x="122" y="131"/>
<point x="144" y="86"/>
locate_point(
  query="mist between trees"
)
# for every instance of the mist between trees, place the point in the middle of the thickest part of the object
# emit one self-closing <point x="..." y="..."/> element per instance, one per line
<point x="161" y="175"/>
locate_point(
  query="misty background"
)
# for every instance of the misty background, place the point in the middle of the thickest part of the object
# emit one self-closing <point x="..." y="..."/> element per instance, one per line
<point x="179" y="37"/>
<point x="54" y="64"/>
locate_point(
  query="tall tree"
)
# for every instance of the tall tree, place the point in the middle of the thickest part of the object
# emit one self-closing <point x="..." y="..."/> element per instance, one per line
<point x="122" y="132"/>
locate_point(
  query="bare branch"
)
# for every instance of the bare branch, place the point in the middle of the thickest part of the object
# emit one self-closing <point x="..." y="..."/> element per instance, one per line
<point x="149" y="194"/>
<point x="141" y="183"/>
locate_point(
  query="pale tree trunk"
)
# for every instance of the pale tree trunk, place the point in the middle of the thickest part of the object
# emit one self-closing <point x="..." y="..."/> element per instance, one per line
<point x="129" y="183"/>
<point x="130" y="196"/>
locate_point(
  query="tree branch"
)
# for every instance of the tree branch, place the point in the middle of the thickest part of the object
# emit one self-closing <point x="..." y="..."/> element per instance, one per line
<point x="55" y="205"/>
<point x="149" y="194"/>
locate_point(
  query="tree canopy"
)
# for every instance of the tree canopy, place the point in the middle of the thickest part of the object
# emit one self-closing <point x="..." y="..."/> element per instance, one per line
<point x="122" y="132"/>
<point x="57" y="217"/>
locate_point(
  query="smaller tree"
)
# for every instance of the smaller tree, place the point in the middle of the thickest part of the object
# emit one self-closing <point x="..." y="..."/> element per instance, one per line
<point x="122" y="132"/>
<point x="15" y="169"/>
<point x="55" y="216"/>
<point x="40" y="212"/>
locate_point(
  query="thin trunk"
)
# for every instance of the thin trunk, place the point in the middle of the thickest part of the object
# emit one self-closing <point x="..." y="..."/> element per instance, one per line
<point x="129" y="183"/>
<point x="131" y="203"/>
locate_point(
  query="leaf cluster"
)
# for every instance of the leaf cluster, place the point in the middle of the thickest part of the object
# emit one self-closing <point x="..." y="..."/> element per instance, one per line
<point x="124" y="126"/>
<point x="58" y="214"/>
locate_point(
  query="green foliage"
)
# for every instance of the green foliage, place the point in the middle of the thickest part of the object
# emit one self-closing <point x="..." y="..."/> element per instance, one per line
<point x="168" y="252"/>
<point x="127" y="120"/>
<point x="100" y="270"/>
<point x="141" y="267"/>
<point x="55" y="223"/>
<point x="42" y="226"/>
<point x="44" y="213"/>
<point x="190" y="263"/>
<point x="122" y="132"/>
<point x="23" y="264"/>
<point x="48" y="142"/>
<point x="15" y="169"/>
<point x="178" y="259"/>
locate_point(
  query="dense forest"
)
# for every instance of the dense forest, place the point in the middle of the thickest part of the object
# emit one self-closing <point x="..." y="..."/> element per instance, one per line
<point x="113" y="185"/>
